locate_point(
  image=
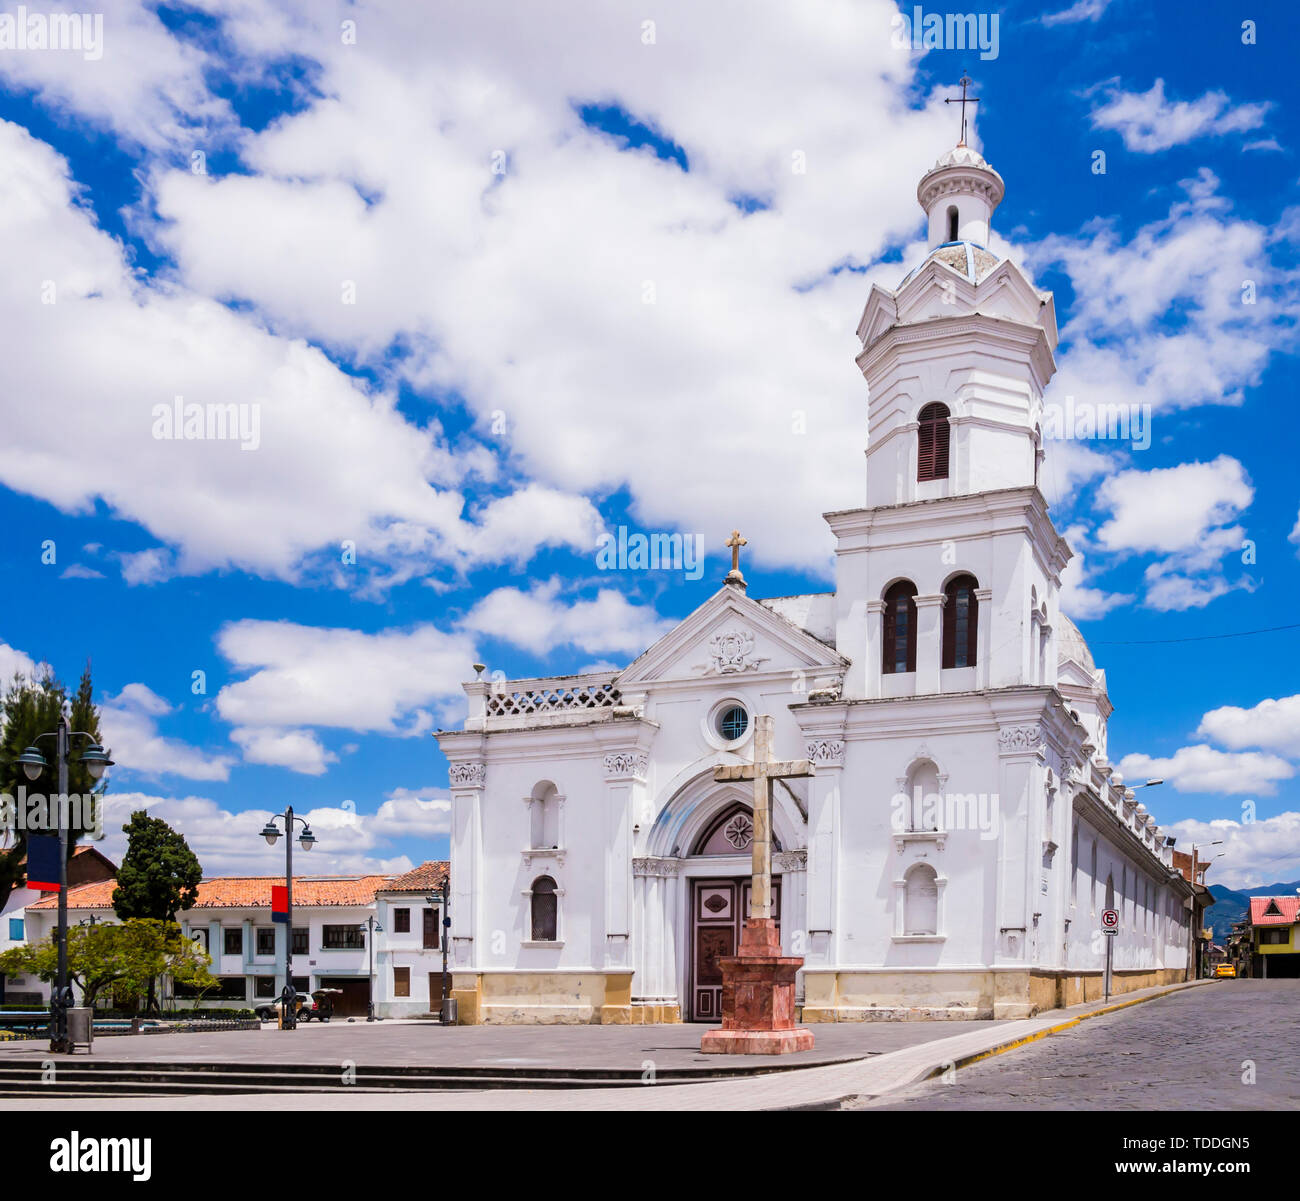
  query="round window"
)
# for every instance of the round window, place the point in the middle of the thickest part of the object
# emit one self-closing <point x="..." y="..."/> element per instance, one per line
<point x="733" y="721"/>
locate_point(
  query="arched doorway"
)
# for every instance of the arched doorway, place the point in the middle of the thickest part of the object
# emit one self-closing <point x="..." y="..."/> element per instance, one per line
<point x="719" y="905"/>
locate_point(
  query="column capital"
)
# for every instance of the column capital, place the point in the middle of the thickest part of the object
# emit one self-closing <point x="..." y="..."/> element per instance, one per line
<point x="467" y="775"/>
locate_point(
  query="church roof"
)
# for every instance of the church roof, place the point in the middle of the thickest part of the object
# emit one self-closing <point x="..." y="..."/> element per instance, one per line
<point x="1071" y="645"/>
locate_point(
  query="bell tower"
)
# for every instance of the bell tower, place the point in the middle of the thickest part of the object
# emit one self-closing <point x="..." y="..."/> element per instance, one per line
<point x="956" y="359"/>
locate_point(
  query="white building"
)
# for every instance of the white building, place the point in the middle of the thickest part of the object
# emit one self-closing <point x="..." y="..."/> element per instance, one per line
<point x="964" y="828"/>
<point x="231" y="919"/>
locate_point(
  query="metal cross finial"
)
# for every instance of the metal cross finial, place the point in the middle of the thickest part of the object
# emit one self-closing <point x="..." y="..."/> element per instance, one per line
<point x="735" y="542"/>
<point x="963" y="100"/>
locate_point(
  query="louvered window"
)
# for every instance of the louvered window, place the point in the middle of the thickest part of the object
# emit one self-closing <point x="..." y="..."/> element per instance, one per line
<point x="960" y="622"/>
<point x="900" y="628"/>
<point x="932" y="443"/>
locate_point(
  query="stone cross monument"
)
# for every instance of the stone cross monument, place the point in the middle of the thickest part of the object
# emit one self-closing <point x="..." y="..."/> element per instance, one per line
<point x="758" y="982"/>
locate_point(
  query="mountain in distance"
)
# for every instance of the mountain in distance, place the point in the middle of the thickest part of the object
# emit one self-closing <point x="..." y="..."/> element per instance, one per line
<point x="1232" y="906"/>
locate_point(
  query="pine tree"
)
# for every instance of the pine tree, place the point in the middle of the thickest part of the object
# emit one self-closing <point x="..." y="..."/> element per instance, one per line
<point x="159" y="875"/>
<point x="29" y="709"/>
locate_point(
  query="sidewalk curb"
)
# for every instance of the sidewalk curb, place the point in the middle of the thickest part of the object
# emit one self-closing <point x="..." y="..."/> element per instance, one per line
<point x="929" y="1071"/>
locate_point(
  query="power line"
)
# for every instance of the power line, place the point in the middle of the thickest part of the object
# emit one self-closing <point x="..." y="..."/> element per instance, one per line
<point x="1201" y="638"/>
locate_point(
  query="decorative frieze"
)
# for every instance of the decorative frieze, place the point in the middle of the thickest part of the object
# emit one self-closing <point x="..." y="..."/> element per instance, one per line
<point x="827" y="751"/>
<point x="655" y="867"/>
<point x="467" y="775"/>
<point x="1012" y="739"/>
<point x="627" y="763"/>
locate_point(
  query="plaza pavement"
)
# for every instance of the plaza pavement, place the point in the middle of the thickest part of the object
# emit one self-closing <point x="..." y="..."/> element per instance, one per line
<point x="902" y="1055"/>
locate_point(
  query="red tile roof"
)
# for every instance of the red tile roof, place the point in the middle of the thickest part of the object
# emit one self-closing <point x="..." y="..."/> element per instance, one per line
<point x="1288" y="907"/>
<point x="254" y="892"/>
<point x="428" y="877"/>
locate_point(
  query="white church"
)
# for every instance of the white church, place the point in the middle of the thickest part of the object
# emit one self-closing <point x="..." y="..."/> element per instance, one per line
<point x="964" y="830"/>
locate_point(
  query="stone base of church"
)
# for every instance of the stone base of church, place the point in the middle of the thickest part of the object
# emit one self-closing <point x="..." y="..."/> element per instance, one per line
<point x="999" y="994"/>
<point x="553" y="998"/>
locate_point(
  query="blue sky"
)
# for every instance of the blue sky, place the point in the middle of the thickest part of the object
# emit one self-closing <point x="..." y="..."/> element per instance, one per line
<point x="496" y="284"/>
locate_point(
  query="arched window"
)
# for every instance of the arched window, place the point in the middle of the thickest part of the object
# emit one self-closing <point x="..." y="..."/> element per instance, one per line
<point x="932" y="446"/>
<point x="544" y="817"/>
<point x="924" y="802"/>
<point x="1092" y="907"/>
<point x="960" y="622"/>
<point x="952" y="223"/>
<point x="900" y="628"/>
<point x="1074" y="867"/>
<point x="545" y="909"/>
<point x="921" y="901"/>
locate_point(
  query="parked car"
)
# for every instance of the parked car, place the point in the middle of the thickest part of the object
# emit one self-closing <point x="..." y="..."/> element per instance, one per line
<point x="268" y="1011"/>
<point x="1225" y="971"/>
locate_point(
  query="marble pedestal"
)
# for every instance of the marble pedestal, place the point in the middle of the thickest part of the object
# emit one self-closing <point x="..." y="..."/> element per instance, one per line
<point x="758" y="998"/>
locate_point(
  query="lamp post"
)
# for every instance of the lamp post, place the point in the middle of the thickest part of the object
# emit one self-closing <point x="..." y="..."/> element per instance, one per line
<point x="443" y="901"/>
<point x="96" y="760"/>
<point x="307" y="840"/>
<point x="370" y="926"/>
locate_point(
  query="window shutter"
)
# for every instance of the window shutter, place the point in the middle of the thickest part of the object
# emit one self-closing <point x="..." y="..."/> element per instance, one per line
<point x="950" y="627"/>
<point x="941" y="448"/>
<point x="890" y="636"/>
<point x="972" y="627"/>
<point x="932" y="443"/>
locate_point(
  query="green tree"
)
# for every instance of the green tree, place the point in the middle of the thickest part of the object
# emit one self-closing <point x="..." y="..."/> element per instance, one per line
<point x="29" y="709"/>
<point x="125" y="959"/>
<point x="159" y="875"/>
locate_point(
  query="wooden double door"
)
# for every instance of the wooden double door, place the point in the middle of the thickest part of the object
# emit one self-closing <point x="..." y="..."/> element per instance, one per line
<point x="718" y="911"/>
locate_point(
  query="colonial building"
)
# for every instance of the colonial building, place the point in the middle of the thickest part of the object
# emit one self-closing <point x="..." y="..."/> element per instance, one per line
<point x="231" y="920"/>
<point x="964" y="828"/>
<point x="1272" y="942"/>
<point x="86" y="866"/>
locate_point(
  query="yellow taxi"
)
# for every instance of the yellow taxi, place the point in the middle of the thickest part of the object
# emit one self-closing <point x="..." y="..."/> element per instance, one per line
<point x="1225" y="971"/>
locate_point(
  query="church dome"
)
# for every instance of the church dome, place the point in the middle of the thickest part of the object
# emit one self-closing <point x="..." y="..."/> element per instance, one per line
<point x="1070" y="645"/>
<point x="961" y="156"/>
<point x="966" y="258"/>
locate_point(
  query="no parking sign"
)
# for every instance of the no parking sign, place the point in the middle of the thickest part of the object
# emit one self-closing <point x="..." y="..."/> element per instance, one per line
<point x="1110" y="921"/>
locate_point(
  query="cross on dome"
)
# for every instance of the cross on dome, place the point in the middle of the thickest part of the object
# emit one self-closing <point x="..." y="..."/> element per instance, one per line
<point x="963" y="100"/>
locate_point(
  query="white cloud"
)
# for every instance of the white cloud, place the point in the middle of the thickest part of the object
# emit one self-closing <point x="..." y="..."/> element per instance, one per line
<point x="14" y="662"/>
<point x="540" y="620"/>
<point x="387" y="180"/>
<point x="1079" y="601"/>
<point x="1149" y="123"/>
<point x="1255" y="853"/>
<point x="336" y="462"/>
<point x="308" y="676"/>
<point x="1161" y="319"/>
<point x="1080" y="10"/>
<point x="1203" y="769"/>
<point x="298" y="750"/>
<point x="348" y="842"/>
<point x="147" y="85"/>
<point x="1272" y="724"/>
<point x="1294" y="535"/>
<point x="129" y="726"/>
<point x="1172" y="508"/>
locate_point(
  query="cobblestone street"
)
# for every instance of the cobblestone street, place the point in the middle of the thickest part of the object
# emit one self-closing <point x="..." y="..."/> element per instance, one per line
<point x="1193" y="1049"/>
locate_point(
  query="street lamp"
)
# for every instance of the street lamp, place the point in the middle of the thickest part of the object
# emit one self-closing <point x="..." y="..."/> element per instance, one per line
<point x="96" y="760"/>
<point x="371" y="926"/>
<point x="443" y="901"/>
<point x="306" y="840"/>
